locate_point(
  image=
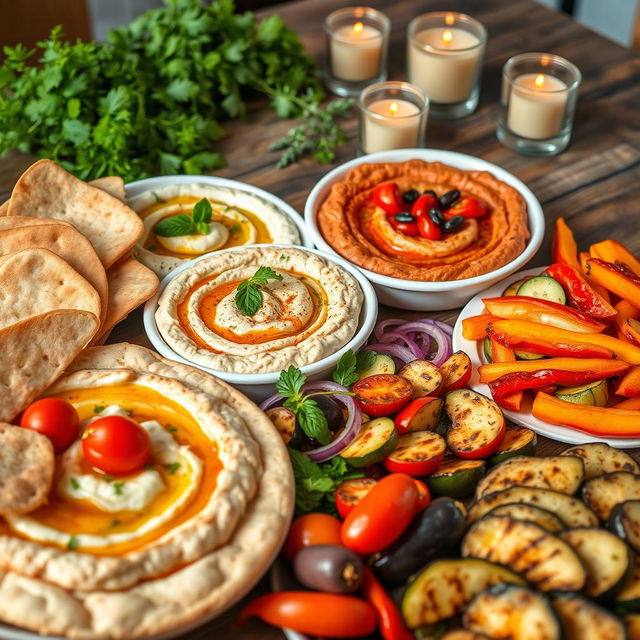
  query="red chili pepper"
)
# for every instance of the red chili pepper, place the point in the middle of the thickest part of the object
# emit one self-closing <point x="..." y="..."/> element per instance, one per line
<point x="387" y="197"/>
<point x="467" y="207"/>
<point x="422" y="205"/>
<point x="501" y="353"/>
<point x="408" y="228"/>
<point x="580" y="292"/>
<point x="318" y="614"/>
<point x="392" y="626"/>
<point x="429" y="229"/>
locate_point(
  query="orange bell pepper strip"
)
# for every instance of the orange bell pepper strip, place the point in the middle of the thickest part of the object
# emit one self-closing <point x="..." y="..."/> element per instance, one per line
<point x="390" y="621"/>
<point x="617" y="278"/>
<point x="607" y="368"/>
<point x="580" y="292"/>
<point x="583" y="256"/>
<point x="475" y="327"/>
<point x="629" y="386"/>
<point x="564" y="249"/>
<point x="597" y="421"/>
<point x="626" y="311"/>
<point x="545" y="312"/>
<point x="531" y="330"/>
<point x="500" y="353"/>
<point x="632" y="404"/>
<point x="612" y="251"/>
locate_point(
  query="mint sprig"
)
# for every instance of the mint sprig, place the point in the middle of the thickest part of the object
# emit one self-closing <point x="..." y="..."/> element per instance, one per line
<point x="248" y="294"/>
<point x="187" y="225"/>
<point x="351" y="365"/>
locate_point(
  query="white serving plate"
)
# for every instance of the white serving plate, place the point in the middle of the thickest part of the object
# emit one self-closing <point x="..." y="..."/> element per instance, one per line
<point x="134" y="189"/>
<point x="259" y="386"/>
<point x="524" y="418"/>
<point x="430" y="296"/>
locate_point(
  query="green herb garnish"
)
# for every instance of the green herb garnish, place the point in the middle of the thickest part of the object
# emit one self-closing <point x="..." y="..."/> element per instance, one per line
<point x="172" y="468"/>
<point x="98" y="408"/>
<point x="171" y="428"/>
<point x="72" y="543"/>
<point x="248" y="295"/>
<point x="114" y="523"/>
<point x="75" y="485"/>
<point x="118" y="487"/>
<point x="350" y="365"/>
<point x="108" y="477"/>
<point x="187" y="225"/>
<point x="235" y="228"/>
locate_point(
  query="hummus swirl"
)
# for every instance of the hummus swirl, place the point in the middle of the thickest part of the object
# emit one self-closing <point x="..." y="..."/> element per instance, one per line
<point x="360" y="232"/>
<point x="310" y="313"/>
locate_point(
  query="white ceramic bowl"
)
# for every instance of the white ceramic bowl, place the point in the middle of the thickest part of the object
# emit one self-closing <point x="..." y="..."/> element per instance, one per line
<point x="259" y="386"/>
<point x="134" y="189"/>
<point x="430" y="296"/>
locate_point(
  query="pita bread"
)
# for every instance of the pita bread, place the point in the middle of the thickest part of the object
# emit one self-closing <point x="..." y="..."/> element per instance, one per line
<point x="39" y="349"/>
<point x="113" y="185"/>
<point x="46" y="190"/>
<point x="15" y="222"/>
<point x="4" y="208"/>
<point x="65" y="242"/>
<point x="130" y="284"/>
<point x="36" y="281"/>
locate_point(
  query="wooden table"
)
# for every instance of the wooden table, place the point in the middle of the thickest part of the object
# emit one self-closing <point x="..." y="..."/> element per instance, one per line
<point x="594" y="184"/>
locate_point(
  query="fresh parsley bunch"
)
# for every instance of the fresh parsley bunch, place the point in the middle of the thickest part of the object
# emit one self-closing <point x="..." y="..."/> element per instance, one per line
<point x="152" y="98"/>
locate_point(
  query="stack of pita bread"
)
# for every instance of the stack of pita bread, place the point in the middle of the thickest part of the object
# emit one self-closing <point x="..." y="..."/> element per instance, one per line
<point x="67" y="276"/>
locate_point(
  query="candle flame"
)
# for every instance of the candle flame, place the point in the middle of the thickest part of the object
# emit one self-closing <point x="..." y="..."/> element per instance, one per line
<point x="539" y="81"/>
<point x="447" y="36"/>
<point x="393" y="108"/>
<point x="357" y="28"/>
<point x="449" y="19"/>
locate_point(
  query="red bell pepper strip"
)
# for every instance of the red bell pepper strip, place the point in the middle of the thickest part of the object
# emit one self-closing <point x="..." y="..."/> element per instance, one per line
<point x="501" y="353"/>
<point x="390" y="621"/>
<point x="318" y="614"/>
<point x="475" y="327"/>
<point x="612" y="251"/>
<point x="563" y="245"/>
<point x="617" y="278"/>
<point x="544" y="312"/>
<point x="629" y="386"/>
<point x="579" y="292"/>
<point x="597" y="421"/>
<point x="606" y="368"/>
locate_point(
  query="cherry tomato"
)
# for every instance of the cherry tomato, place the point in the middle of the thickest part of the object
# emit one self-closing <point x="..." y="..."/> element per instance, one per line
<point x="414" y="468"/>
<point x="55" y="418"/>
<point x="382" y="394"/>
<point x="329" y="615"/>
<point x="408" y="228"/>
<point x="424" y="495"/>
<point x="467" y="207"/>
<point x="429" y="229"/>
<point x="387" y="197"/>
<point x="422" y="205"/>
<point x="382" y="515"/>
<point x="311" y="529"/>
<point x="116" y="445"/>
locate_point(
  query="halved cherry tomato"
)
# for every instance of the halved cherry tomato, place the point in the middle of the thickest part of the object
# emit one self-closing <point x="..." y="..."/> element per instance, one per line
<point x="116" y="445"/>
<point x="387" y="196"/>
<point x="329" y="615"/>
<point x="421" y="206"/>
<point x="408" y="228"/>
<point x="429" y="229"/>
<point x="424" y="495"/>
<point x="55" y="418"/>
<point x="382" y="394"/>
<point x="382" y="515"/>
<point x="350" y="493"/>
<point x="467" y="207"/>
<point x="418" y="453"/>
<point x="456" y="371"/>
<point x="312" y="529"/>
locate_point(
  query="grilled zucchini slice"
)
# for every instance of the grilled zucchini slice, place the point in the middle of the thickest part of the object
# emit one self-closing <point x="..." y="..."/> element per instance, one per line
<point x="581" y="619"/>
<point x="604" y="492"/>
<point x="530" y="513"/>
<point x="512" y="612"/>
<point x="627" y="599"/>
<point x="624" y="521"/>
<point x="547" y="562"/>
<point x="607" y="559"/>
<point x="558" y="473"/>
<point x="444" y="587"/>
<point x="573" y="512"/>
<point x="456" y="477"/>
<point x="518" y="441"/>
<point x="600" y="458"/>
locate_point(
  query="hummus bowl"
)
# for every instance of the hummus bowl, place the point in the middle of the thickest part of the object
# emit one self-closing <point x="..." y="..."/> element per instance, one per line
<point x="343" y="321"/>
<point x="416" y="292"/>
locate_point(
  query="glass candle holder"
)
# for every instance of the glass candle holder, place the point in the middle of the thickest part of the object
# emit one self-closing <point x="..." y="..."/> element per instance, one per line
<point x="444" y="58"/>
<point x="539" y="95"/>
<point x="393" y="115"/>
<point x="356" y="49"/>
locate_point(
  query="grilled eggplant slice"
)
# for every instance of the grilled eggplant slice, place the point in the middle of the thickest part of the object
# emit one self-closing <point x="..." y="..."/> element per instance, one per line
<point x="558" y="473"/>
<point x="627" y="599"/>
<point x="573" y="512"/>
<point x="512" y="612"/>
<point x="443" y="588"/>
<point x="581" y="619"/>
<point x="518" y="441"/>
<point x="529" y="513"/>
<point x="600" y="458"/>
<point x="606" y="558"/>
<point x="602" y="493"/>
<point x="547" y="562"/>
<point x="624" y="521"/>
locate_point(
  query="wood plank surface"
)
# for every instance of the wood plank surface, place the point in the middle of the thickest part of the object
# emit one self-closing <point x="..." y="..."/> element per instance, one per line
<point x="595" y="183"/>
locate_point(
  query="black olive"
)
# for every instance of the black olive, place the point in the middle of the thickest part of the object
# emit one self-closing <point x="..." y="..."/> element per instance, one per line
<point x="410" y="196"/>
<point x="447" y="199"/>
<point x="452" y="224"/>
<point x="332" y="412"/>
<point x="404" y="216"/>
<point x="436" y="216"/>
<point x="328" y="567"/>
<point x="429" y="192"/>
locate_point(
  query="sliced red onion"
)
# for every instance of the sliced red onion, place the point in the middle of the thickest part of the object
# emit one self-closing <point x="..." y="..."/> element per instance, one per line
<point x="271" y="401"/>
<point x="384" y="325"/>
<point x="394" y="350"/>
<point x="412" y="345"/>
<point x="447" y="328"/>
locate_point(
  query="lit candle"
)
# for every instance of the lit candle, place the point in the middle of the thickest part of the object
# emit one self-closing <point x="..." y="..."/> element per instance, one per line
<point x="537" y="106"/>
<point x="356" y="52"/>
<point x="391" y="124"/>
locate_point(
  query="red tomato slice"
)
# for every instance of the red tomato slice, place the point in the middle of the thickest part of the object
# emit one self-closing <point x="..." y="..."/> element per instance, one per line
<point x="116" y="445"/>
<point x="312" y="529"/>
<point x="382" y="394"/>
<point x="387" y="197"/>
<point x="417" y="453"/>
<point x="55" y="418"/>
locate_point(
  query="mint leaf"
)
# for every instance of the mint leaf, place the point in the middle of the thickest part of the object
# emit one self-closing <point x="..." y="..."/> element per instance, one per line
<point x="202" y="228"/>
<point x="313" y="422"/>
<point x="290" y="382"/>
<point x="345" y="371"/>
<point x="263" y="275"/>
<point x="248" y="297"/>
<point x="180" y="225"/>
<point x="365" y="359"/>
<point x="202" y="211"/>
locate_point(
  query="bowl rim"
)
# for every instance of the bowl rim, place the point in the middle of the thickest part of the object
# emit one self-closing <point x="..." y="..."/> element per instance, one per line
<point x="535" y="214"/>
<point x="368" y="313"/>
<point x="137" y="187"/>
